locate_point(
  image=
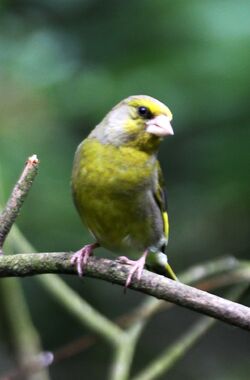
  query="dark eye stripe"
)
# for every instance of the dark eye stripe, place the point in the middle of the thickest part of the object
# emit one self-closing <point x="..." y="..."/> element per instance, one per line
<point x="145" y="112"/>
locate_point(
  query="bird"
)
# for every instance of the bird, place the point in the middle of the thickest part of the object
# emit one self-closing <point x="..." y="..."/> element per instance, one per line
<point x="118" y="187"/>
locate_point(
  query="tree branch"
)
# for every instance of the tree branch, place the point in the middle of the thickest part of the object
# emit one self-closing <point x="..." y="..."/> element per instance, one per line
<point x="17" y="197"/>
<point x="150" y="283"/>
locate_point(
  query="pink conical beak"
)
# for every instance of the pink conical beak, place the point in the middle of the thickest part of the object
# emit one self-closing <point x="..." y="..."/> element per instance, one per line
<point x="160" y="126"/>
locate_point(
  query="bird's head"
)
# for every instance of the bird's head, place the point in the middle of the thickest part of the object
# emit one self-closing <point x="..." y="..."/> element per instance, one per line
<point x="139" y="121"/>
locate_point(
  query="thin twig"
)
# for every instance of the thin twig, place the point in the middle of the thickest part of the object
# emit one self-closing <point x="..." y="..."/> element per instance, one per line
<point x="17" y="197"/>
<point x="85" y="313"/>
<point x="23" y="335"/>
<point x="35" y="364"/>
<point x="169" y="357"/>
<point x="24" y="338"/>
<point x="124" y="352"/>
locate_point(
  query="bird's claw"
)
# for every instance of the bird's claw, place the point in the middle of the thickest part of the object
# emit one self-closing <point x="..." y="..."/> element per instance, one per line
<point x="80" y="257"/>
<point x="136" y="267"/>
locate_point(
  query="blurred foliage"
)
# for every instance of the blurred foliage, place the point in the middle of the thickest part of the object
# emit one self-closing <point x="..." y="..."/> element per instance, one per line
<point x="63" y="65"/>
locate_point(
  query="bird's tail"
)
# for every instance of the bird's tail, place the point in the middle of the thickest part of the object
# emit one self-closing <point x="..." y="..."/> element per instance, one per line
<point x="158" y="262"/>
<point x="170" y="272"/>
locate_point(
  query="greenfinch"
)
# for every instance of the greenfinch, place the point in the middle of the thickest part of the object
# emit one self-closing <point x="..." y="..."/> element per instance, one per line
<point x="117" y="186"/>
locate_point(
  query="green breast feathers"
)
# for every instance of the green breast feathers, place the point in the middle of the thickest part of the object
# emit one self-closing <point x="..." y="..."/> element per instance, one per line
<point x="118" y="194"/>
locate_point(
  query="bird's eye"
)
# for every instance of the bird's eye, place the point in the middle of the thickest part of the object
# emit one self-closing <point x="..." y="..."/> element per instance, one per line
<point x="144" y="112"/>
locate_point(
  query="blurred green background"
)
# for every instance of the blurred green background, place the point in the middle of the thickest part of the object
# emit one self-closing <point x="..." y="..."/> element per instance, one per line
<point x="63" y="65"/>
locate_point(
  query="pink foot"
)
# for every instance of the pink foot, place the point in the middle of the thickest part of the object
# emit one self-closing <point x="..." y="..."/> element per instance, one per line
<point x="137" y="267"/>
<point x="80" y="258"/>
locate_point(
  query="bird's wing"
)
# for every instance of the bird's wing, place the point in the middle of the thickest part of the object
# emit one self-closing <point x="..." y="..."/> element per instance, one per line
<point x="161" y="198"/>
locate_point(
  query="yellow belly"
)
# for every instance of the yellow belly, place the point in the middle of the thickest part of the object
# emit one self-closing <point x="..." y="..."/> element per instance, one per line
<point x="111" y="187"/>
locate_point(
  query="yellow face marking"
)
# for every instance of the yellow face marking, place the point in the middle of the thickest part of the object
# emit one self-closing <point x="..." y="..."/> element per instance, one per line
<point x="135" y="124"/>
<point x="156" y="108"/>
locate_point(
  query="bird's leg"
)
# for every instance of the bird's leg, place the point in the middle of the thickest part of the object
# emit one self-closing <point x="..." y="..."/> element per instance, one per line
<point x="137" y="266"/>
<point x="80" y="257"/>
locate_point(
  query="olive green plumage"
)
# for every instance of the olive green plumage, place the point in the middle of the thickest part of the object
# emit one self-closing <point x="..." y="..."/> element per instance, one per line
<point x="117" y="181"/>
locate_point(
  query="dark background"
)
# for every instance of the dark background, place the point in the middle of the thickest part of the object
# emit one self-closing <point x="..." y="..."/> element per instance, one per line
<point x="63" y="65"/>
